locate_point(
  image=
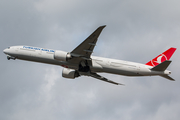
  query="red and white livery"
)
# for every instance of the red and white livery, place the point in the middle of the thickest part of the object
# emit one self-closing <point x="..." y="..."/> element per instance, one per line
<point x="79" y="61"/>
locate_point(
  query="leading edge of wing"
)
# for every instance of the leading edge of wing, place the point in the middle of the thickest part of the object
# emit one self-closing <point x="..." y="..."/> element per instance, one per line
<point x="87" y="46"/>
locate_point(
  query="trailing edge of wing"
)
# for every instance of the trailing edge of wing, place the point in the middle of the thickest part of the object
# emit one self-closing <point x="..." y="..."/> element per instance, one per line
<point x="95" y="75"/>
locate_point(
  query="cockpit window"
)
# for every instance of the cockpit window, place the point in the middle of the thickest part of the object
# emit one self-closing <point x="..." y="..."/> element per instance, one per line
<point x="8" y="48"/>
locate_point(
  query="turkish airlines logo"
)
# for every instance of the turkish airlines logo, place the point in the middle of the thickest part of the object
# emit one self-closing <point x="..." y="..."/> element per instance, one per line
<point x="159" y="60"/>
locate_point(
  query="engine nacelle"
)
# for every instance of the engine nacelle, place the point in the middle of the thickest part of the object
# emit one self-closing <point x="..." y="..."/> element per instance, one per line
<point x="70" y="73"/>
<point x="61" y="55"/>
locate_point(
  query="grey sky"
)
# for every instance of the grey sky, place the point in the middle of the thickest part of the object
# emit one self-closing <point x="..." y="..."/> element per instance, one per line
<point x="136" y="31"/>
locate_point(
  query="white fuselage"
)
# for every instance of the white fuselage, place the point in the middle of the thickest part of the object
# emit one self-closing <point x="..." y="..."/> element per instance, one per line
<point x="99" y="64"/>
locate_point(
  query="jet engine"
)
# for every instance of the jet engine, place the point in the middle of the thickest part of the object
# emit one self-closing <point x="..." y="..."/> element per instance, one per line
<point x="61" y="55"/>
<point x="70" y="73"/>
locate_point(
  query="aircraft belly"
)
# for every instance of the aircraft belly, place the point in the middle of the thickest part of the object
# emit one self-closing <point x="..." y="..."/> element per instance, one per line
<point x="39" y="59"/>
<point x="121" y="68"/>
<point x="121" y="71"/>
<point x="116" y="70"/>
<point x="96" y="67"/>
<point x="47" y="58"/>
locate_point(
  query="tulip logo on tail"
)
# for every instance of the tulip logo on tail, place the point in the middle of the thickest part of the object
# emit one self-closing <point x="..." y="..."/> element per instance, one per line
<point x="159" y="60"/>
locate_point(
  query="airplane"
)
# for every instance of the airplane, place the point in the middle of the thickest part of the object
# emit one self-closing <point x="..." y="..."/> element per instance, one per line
<point x="79" y="61"/>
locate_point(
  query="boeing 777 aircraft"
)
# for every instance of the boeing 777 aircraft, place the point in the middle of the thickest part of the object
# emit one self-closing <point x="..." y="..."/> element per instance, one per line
<point x="79" y="61"/>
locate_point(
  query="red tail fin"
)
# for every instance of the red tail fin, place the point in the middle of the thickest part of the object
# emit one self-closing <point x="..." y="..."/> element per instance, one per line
<point x="162" y="57"/>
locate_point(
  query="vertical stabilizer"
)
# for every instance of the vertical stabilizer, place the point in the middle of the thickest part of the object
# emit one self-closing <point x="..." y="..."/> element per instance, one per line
<point x="162" y="57"/>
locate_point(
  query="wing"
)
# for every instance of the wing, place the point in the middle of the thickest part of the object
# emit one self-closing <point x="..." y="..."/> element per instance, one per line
<point x="81" y="56"/>
<point x="95" y="75"/>
<point x="85" y="49"/>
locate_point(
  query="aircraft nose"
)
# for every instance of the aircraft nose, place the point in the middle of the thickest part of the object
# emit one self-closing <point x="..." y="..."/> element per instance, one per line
<point x="5" y="51"/>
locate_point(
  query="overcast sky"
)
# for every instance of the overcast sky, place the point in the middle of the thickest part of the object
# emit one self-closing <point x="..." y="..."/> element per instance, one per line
<point x="137" y="30"/>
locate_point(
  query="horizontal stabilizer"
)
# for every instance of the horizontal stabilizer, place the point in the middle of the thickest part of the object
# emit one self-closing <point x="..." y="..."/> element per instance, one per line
<point x="162" y="66"/>
<point x="167" y="77"/>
